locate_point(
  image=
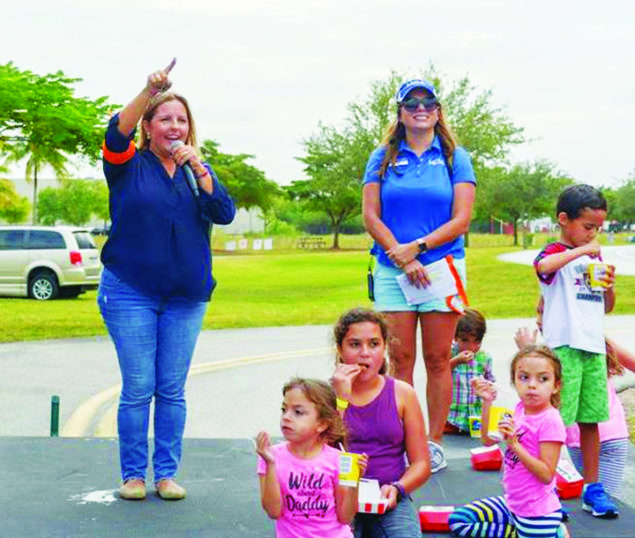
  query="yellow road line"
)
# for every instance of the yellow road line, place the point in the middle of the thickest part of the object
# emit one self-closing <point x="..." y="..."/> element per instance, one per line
<point x="79" y="422"/>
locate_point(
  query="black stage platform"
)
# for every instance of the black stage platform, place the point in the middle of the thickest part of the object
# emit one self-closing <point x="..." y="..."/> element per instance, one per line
<point x="53" y="487"/>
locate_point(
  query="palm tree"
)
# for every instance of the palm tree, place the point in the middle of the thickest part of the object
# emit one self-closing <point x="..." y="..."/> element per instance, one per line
<point x="38" y="156"/>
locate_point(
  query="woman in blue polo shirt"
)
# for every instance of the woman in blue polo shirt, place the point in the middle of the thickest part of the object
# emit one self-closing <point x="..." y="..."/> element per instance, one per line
<point x="417" y="203"/>
<point x="157" y="277"/>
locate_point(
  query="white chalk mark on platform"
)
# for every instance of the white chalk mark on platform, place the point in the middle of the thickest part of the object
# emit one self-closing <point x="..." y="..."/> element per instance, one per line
<point x="103" y="496"/>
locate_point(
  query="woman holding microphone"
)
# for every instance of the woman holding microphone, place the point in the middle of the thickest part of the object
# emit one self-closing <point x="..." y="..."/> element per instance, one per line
<point x="157" y="277"/>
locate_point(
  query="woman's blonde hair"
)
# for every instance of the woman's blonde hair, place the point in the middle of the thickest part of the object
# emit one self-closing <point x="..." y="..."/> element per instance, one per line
<point x="155" y="103"/>
<point x="396" y="132"/>
<point x="323" y="396"/>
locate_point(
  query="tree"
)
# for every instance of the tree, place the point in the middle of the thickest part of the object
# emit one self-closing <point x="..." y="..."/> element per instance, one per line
<point x="247" y="184"/>
<point x="526" y="191"/>
<point x="13" y="207"/>
<point x="335" y="164"/>
<point x="75" y="202"/>
<point x="625" y="201"/>
<point x="43" y="122"/>
<point x="335" y="157"/>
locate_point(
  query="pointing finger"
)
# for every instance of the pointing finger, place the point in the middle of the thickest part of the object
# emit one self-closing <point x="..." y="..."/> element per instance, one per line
<point x="170" y="66"/>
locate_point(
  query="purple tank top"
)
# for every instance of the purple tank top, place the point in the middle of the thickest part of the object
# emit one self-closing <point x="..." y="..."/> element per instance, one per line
<point x="376" y="429"/>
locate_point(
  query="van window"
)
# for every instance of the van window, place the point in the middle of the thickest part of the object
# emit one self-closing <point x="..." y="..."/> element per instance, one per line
<point x="11" y="239"/>
<point x="43" y="239"/>
<point x="84" y="240"/>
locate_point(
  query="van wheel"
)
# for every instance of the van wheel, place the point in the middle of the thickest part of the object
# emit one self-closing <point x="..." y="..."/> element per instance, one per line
<point x="43" y="286"/>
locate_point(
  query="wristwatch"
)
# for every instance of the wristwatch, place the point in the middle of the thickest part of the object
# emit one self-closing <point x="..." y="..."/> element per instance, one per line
<point x="422" y="245"/>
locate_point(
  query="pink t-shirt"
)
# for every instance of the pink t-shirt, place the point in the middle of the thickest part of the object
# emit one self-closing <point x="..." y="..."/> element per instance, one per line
<point x="307" y="488"/>
<point x="525" y="494"/>
<point x="614" y="428"/>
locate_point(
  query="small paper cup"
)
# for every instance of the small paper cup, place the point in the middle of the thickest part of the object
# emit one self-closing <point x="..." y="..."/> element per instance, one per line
<point x="597" y="272"/>
<point x="497" y="413"/>
<point x="475" y="426"/>
<point x="349" y="469"/>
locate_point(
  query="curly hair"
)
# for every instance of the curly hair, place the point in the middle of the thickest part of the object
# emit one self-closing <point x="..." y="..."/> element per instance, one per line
<point x="323" y="396"/>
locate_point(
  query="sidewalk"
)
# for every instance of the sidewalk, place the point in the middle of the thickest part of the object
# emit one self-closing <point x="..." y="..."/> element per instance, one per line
<point x="80" y="369"/>
<point x="235" y="391"/>
<point x="64" y="488"/>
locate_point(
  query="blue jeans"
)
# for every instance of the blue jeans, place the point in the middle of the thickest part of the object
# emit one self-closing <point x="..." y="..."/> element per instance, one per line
<point x="154" y="340"/>
<point x="401" y="522"/>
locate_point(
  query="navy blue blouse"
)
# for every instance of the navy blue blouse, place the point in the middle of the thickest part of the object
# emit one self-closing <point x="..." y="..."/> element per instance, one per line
<point x="159" y="241"/>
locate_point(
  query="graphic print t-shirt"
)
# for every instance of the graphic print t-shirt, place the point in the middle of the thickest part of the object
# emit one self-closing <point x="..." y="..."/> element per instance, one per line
<point x="307" y="488"/>
<point x="574" y="312"/>
<point x="525" y="494"/>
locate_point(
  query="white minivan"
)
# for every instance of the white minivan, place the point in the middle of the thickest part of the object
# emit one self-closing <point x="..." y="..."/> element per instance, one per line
<point x="44" y="262"/>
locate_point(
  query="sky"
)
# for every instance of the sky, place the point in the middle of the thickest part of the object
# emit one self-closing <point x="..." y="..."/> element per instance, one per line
<point x="261" y="75"/>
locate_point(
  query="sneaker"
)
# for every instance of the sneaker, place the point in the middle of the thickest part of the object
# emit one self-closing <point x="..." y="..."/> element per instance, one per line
<point x="596" y="501"/>
<point x="133" y="489"/>
<point x="437" y="457"/>
<point x="169" y="490"/>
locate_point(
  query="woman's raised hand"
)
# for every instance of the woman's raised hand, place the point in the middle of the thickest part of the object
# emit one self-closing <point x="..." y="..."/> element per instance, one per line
<point x="343" y="378"/>
<point x="158" y="82"/>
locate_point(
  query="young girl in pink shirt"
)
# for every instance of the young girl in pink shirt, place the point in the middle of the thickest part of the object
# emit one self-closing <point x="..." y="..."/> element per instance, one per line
<point x="299" y="485"/>
<point x="534" y="437"/>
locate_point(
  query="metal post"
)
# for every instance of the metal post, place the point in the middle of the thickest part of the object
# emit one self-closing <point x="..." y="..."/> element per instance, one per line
<point x="55" y="416"/>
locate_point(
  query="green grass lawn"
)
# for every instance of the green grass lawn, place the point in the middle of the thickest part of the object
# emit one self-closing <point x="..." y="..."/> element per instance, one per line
<point x="293" y="289"/>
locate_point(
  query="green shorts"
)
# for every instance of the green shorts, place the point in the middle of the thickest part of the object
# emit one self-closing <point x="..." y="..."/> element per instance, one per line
<point x="584" y="393"/>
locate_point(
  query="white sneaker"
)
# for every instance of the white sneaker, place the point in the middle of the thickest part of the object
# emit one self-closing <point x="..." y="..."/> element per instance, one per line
<point x="437" y="457"/>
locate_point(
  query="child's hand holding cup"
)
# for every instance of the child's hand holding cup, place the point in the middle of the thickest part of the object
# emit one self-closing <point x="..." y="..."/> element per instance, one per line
<point x="507" y="429"/>
<point x="500" y="416"/>
<point x="601" y="276"/>
<point x="352" y="467"/>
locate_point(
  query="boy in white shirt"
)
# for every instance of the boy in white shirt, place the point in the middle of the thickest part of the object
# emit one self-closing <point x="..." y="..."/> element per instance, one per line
<point x="573" y="326"/>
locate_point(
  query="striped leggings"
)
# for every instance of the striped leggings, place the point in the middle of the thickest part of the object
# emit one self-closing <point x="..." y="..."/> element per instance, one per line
<point x="492" y="518"/>
<point x="613" y="456"/>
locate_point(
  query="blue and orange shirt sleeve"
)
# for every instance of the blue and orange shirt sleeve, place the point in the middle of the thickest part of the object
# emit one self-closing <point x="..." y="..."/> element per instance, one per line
<point x="549" y="250"/>
<point x="117" y="148"/>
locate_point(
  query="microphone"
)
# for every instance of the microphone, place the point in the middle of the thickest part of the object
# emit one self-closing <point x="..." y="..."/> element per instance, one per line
<point x="189" y="173"/>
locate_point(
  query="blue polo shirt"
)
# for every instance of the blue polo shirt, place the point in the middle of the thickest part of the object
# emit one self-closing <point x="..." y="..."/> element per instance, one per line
<point x="417" y="195"/>
<point x="159" y="241"/>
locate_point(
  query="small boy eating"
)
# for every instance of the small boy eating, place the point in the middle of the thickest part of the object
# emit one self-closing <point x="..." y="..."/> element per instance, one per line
<point x="573" y="326"/>
<point x="468" y="362"/>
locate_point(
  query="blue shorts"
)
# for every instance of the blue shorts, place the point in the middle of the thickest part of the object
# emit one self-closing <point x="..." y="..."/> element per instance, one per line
<point x="390" y="298"/>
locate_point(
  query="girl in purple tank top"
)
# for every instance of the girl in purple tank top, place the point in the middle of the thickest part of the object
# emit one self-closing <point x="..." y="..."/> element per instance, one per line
<point x="383" y="419"/>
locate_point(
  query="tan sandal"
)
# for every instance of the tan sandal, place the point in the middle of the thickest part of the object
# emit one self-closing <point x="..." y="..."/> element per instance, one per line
<point x="133" y="489"/>
<point x="169" y="490"/>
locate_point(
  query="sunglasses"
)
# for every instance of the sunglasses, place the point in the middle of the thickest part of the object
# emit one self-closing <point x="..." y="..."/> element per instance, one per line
<point x="412" y="103"/>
